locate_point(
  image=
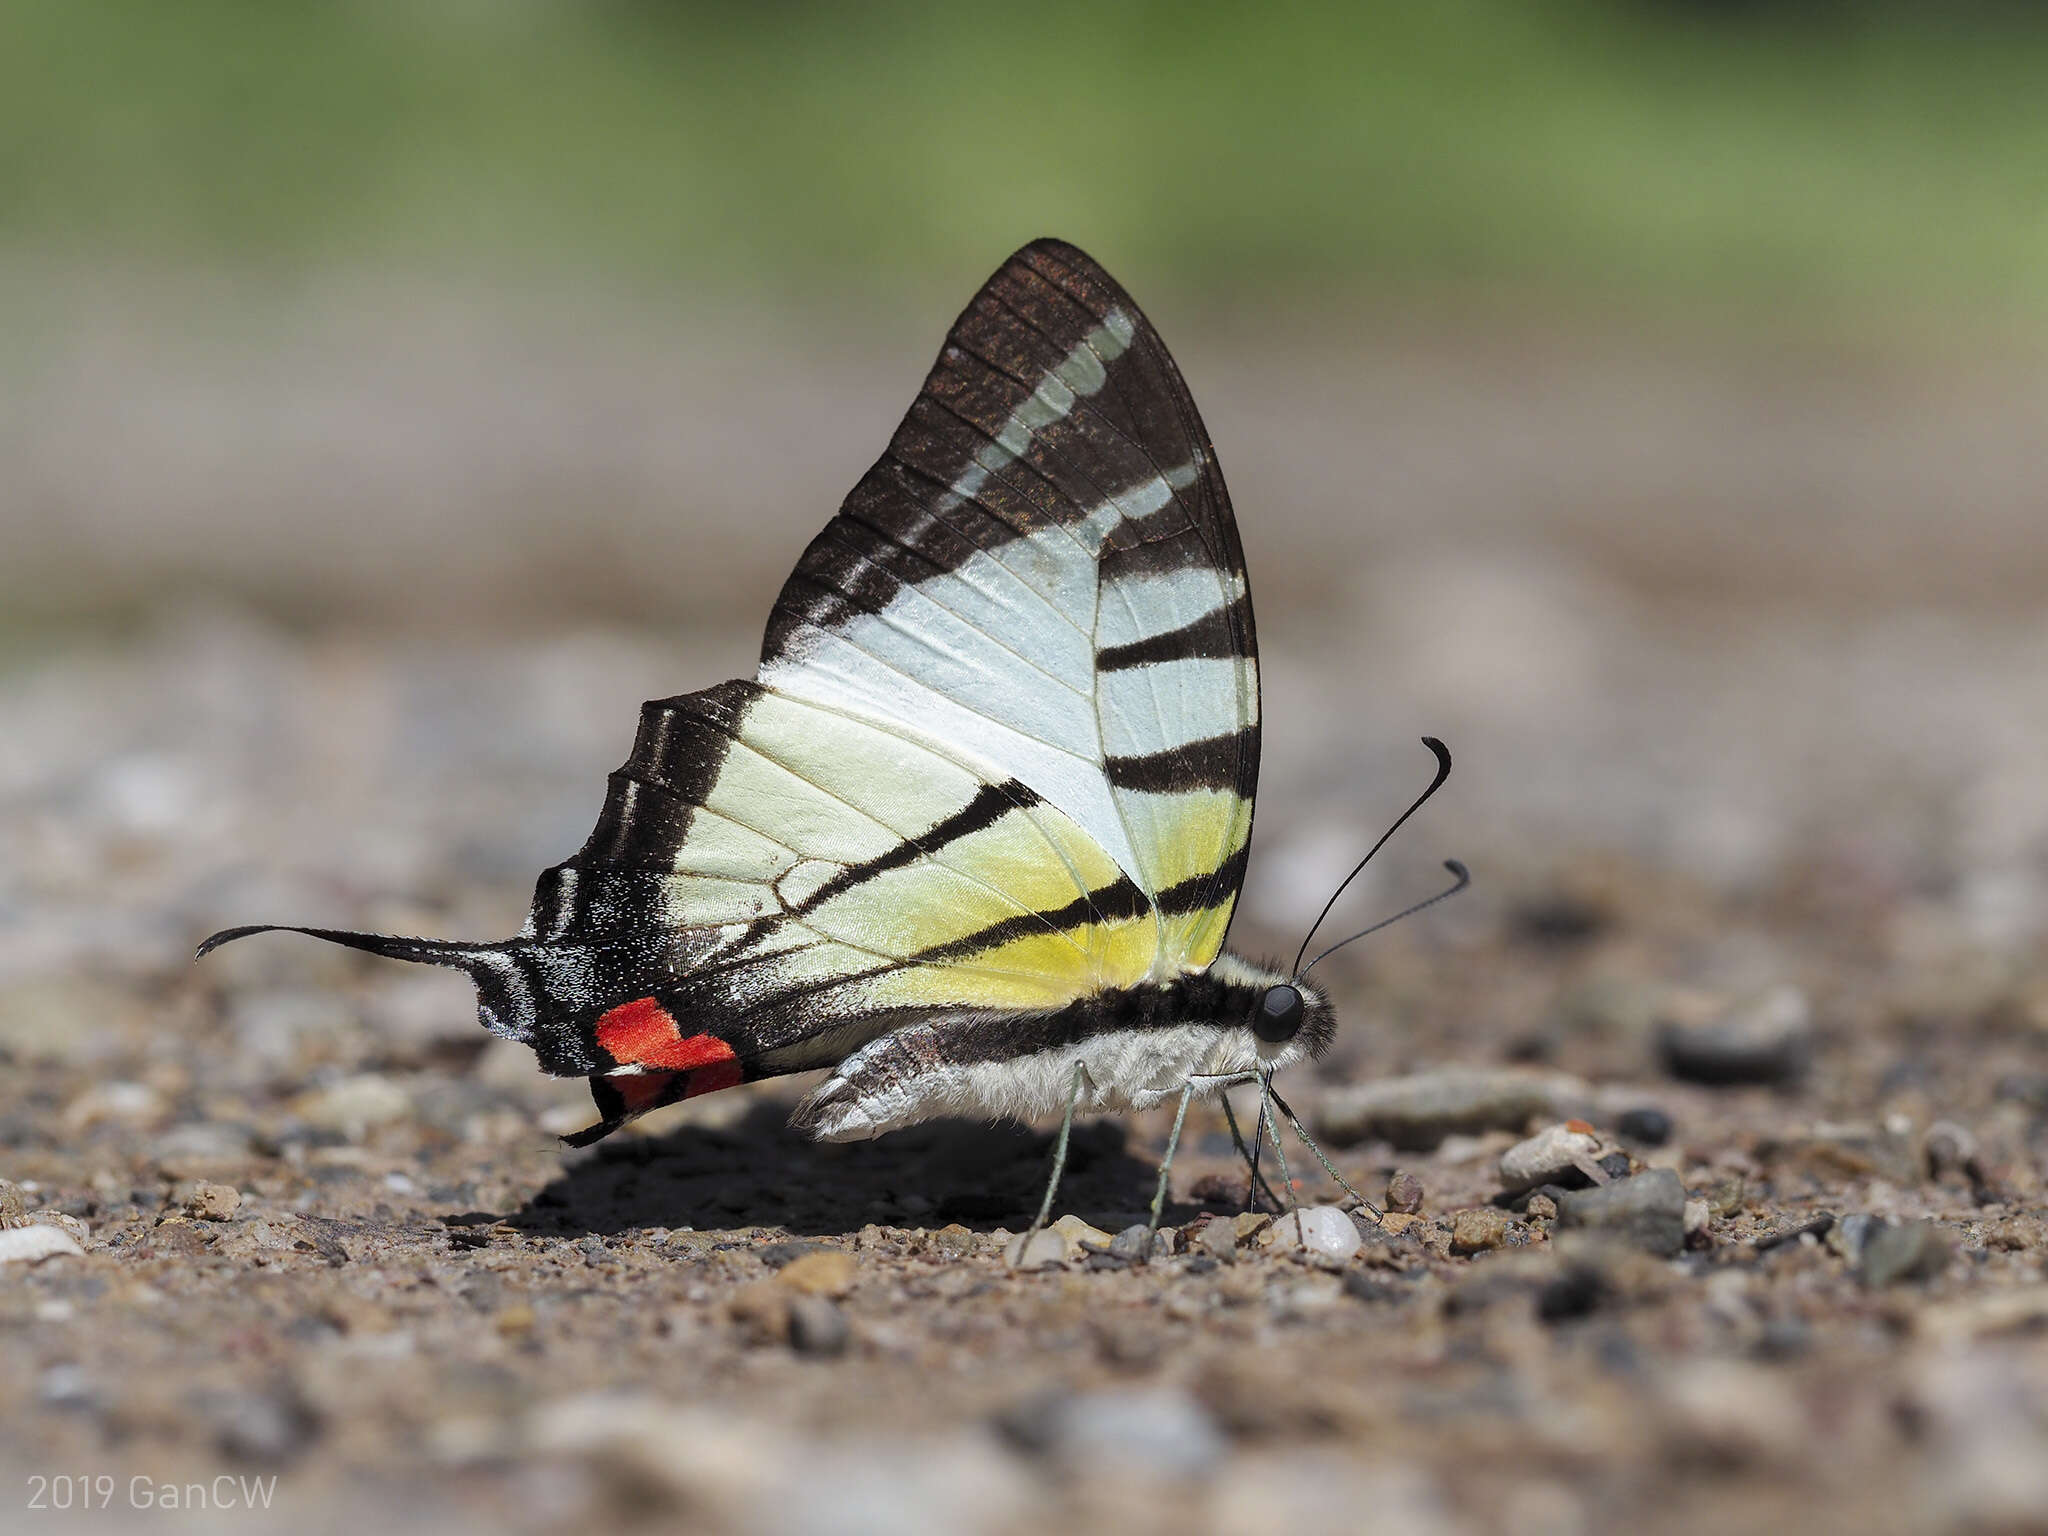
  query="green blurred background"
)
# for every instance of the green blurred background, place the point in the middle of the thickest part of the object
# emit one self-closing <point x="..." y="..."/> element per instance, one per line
<point x="1858" y="156"/>
<point x="331" y="310"/>
<point x="1885" y="164"/>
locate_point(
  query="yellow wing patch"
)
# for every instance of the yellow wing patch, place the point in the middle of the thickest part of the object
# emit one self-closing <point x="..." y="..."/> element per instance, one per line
<point x="886" y="873"/>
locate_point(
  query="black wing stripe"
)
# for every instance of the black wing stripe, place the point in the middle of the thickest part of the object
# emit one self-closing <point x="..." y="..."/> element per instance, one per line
<point x="1208" y="637"/>
<point x="1122" y="899"/>
<point x="1198" y="892"/>
<point x="1215" y="762"/>
<point x="990" y="804"/>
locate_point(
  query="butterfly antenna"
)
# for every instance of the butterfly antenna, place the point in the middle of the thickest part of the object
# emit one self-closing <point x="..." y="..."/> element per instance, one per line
<point x="1443" y="771"/>
<point x="1460" y="878"/>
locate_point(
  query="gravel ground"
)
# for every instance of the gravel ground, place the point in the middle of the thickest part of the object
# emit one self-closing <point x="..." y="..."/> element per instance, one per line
<point x="1756" y="957"/>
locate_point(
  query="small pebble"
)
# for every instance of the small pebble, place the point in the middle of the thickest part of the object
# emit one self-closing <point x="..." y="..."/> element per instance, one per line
<point x="1819" y="1226"/>
<point x="1321" y="1231"/>
<point x="1218" y="1240"/>
<point x="213" y="1202"/>
<point x="1043" y="1249"/>
<point x="817" y="1327"/>
<point x="688" y="1244"/>
<point x="1647" y="1126"/>
<point x="1766" y="1039"/>
<point x="515" y="1321"/>
<point x="1911" y="1250"/>
<point x="1554" y="1155"/>
<point x="1699" y="1217"/>
<point x="1646" y="1211"/>
<point x="1951" y="1150"/>
<point x="13" y="1209"/>
<point x="33" y="1244"/>
<point x="1417" y="1112"/>
<point x="1728" y="1195"/>
<point x="1133" y="1245"/>
<point x="828" y="1272"/>
<point x="135" y="1103"/>
<point x="762" y="1310"/>
<point x="952" y="1241"/>
<point x="79" y="1231"/>
<point x="1848" y="1236"/>
<point x="1478" y="1230"/>
<point x="775" y="1255"/>
<point x="1540" y="1207"/>
<point x="1080" y="1238"/>
<point x="355" y="1104"/>
<point x="1404" y="1193"/>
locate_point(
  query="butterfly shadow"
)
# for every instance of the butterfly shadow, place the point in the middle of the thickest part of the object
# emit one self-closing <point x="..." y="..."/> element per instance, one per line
<point x="757" y="1172"/>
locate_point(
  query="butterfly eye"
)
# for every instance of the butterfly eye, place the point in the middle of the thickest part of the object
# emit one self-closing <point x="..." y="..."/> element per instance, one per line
<point x="1279" y="1015"/>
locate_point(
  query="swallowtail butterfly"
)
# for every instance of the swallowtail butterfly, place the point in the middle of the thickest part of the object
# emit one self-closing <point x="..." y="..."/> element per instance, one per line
<point x="972" y="834"/>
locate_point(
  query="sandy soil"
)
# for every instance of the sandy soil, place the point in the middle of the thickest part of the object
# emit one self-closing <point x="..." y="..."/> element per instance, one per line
<point x="1729" y="817"/>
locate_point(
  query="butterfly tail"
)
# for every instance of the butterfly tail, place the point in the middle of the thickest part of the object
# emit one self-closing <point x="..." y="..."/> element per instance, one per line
<point x="508" y="1003"/>
<point x="390" y="946"/>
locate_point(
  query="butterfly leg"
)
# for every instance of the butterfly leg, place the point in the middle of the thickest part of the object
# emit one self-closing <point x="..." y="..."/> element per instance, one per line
<point x="1059" y="1151"/>
<point x="1271" y="1127"/>
<point x="1250" y="1157"/>
<point x="1180" y="1116"/>
<point x="1328" y="1167"/>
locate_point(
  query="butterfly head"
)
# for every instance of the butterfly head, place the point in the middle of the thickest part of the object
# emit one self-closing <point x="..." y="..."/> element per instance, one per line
<point x="1285" y="1018"/>
<point x="1281" y="1011"/>
<point x="1292" y="1019"/>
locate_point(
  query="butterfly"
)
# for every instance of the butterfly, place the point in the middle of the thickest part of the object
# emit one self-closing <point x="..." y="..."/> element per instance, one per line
<point x="972" y="836"/>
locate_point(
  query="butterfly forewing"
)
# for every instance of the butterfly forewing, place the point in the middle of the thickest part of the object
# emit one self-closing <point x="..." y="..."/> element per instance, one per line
<point x="1043" y="572"/>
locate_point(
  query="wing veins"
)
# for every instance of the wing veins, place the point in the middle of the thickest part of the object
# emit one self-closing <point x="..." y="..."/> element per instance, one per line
<point x="965" y="622"/>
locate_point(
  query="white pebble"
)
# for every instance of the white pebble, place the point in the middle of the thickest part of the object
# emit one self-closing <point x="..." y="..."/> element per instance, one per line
<point x="1546" y="1157"/>
<point x="1322" y="1230"/>
<point x="1080" y="1238"/>
<point x="31" y="1245"/>
<point x="1043" y="1249"/>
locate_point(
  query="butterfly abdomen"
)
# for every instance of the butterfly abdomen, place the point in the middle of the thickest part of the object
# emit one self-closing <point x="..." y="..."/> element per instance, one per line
<point x="1132" y="1046"/>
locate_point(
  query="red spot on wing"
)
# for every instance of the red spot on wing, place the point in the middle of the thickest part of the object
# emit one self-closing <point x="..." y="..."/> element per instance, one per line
<point x="643" y="1033"/>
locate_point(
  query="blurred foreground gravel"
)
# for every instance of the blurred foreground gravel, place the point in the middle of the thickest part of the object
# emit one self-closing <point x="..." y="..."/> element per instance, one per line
<point x="1715" y="1118"/>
